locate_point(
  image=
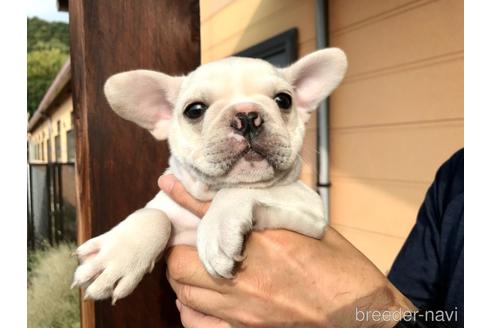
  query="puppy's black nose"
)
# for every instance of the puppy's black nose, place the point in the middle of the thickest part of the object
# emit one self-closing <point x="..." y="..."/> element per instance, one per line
<point x="247" y="123"/>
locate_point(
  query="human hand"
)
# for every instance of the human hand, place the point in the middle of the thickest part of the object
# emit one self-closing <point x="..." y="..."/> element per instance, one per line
<point x="286" y="280"/>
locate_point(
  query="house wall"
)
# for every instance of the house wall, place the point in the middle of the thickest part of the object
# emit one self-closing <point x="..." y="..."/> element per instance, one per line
<point x="397" y="116"/>
<point x="229" y="26"/>
<point x="40" y="135"/>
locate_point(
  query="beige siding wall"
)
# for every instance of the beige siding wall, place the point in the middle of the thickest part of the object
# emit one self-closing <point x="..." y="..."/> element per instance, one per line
<point x="42" y="132"/>
<point x="396" y="117"/>
<point x="229" y="26"/>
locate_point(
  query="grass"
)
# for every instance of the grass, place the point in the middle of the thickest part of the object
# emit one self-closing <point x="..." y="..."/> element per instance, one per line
<point x="50" y="301"/>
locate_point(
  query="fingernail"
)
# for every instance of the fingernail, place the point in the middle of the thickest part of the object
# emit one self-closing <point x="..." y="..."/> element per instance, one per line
<point x="167" y="183"/>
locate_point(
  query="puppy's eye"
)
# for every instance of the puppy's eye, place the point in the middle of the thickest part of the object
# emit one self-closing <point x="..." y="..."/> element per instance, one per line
<point x="195" y="110"/>
<point x="283" y="100"/>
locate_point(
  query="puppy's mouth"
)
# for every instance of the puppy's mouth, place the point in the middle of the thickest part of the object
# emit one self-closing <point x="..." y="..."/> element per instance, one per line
<point x="256" y="152"/>
<point x="253" y="155"/>
<point x="226" y="153"/>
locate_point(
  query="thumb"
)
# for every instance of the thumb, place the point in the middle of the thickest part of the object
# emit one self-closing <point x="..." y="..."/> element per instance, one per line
<point x="193" y="318"/>
<point x="174" y="189"/>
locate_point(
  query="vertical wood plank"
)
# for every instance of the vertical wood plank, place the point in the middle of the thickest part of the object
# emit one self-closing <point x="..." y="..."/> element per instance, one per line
<point x="118" y="163"/>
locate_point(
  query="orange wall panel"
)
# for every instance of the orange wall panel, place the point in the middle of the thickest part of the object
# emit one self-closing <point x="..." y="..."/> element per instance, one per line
<point x="379" y="248"/>
<point x="410" y="152"/>
<point x="397" y="116"/>
<point x="422" y="94"/>
<point x="387" y="207"/>
<point x="432" y="30"/>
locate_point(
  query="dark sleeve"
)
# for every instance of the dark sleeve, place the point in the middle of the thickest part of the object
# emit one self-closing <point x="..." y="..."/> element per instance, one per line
<point x="429" y="268"/>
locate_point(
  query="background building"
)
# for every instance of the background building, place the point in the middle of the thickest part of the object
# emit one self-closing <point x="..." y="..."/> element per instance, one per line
<point x="51" y="165"/>
<point x="51" y="134"/>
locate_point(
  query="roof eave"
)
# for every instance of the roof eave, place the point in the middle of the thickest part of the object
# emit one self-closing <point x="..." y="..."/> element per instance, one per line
<point x="60" y="83"/>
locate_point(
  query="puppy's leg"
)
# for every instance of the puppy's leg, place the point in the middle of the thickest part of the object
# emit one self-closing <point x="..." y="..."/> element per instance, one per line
<point x="221" y="232"/>
<point x="294" y="207"/>
<point x="234" y="212"/>
<point x="113" y="263"/>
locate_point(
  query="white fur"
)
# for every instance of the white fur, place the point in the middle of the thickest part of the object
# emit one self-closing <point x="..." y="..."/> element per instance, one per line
<point x="222" y="230"/>
<point x="246" y="195"/>
<point x="330" y="64"/>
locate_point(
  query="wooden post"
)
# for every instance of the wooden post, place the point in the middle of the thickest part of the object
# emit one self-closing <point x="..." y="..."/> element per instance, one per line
<point x="117" y="162"/>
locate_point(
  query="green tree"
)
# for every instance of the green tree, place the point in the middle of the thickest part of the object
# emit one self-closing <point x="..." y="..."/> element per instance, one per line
<point x="47" y="51"/>
<point x="42" y="35"/>
<point x="42" y="67"/>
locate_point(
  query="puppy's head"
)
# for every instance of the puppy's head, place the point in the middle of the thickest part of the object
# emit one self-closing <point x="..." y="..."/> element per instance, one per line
<point x="236" y="121"/>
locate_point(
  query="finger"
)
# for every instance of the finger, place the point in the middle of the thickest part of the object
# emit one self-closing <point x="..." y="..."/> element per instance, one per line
<point x="178" y="193"/>
<point x="184" y="266"/>
<point x="191" y="318"/>
<point x="203" y="300"/>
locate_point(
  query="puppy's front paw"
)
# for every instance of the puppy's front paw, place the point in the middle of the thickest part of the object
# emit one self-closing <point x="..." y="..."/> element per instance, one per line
<point x="112" y="264"/>
<point x="220" y="244"/>
<point x="110" y="267"/>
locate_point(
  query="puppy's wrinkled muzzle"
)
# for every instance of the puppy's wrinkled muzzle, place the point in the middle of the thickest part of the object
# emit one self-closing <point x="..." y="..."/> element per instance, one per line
<point x="249" y="125"/>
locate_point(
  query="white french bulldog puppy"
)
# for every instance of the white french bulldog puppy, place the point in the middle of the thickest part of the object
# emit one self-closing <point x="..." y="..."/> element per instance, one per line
<point x="235" y="129"/>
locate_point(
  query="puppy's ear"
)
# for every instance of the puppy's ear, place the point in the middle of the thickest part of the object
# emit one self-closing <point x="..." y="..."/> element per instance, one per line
<point x="144" y="97"/>
<point x="315" y="76"/>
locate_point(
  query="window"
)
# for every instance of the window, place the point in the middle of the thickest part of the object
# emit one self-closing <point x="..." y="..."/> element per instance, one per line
<point x="47" y="145"/>
<point x="32" y="148"/>
<point x="71" y="145"/>
<point x="58" y="148"/>
<point x="49" y="157"/>
<point x="58" y="153"/>
<point x="280" y="50"/>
